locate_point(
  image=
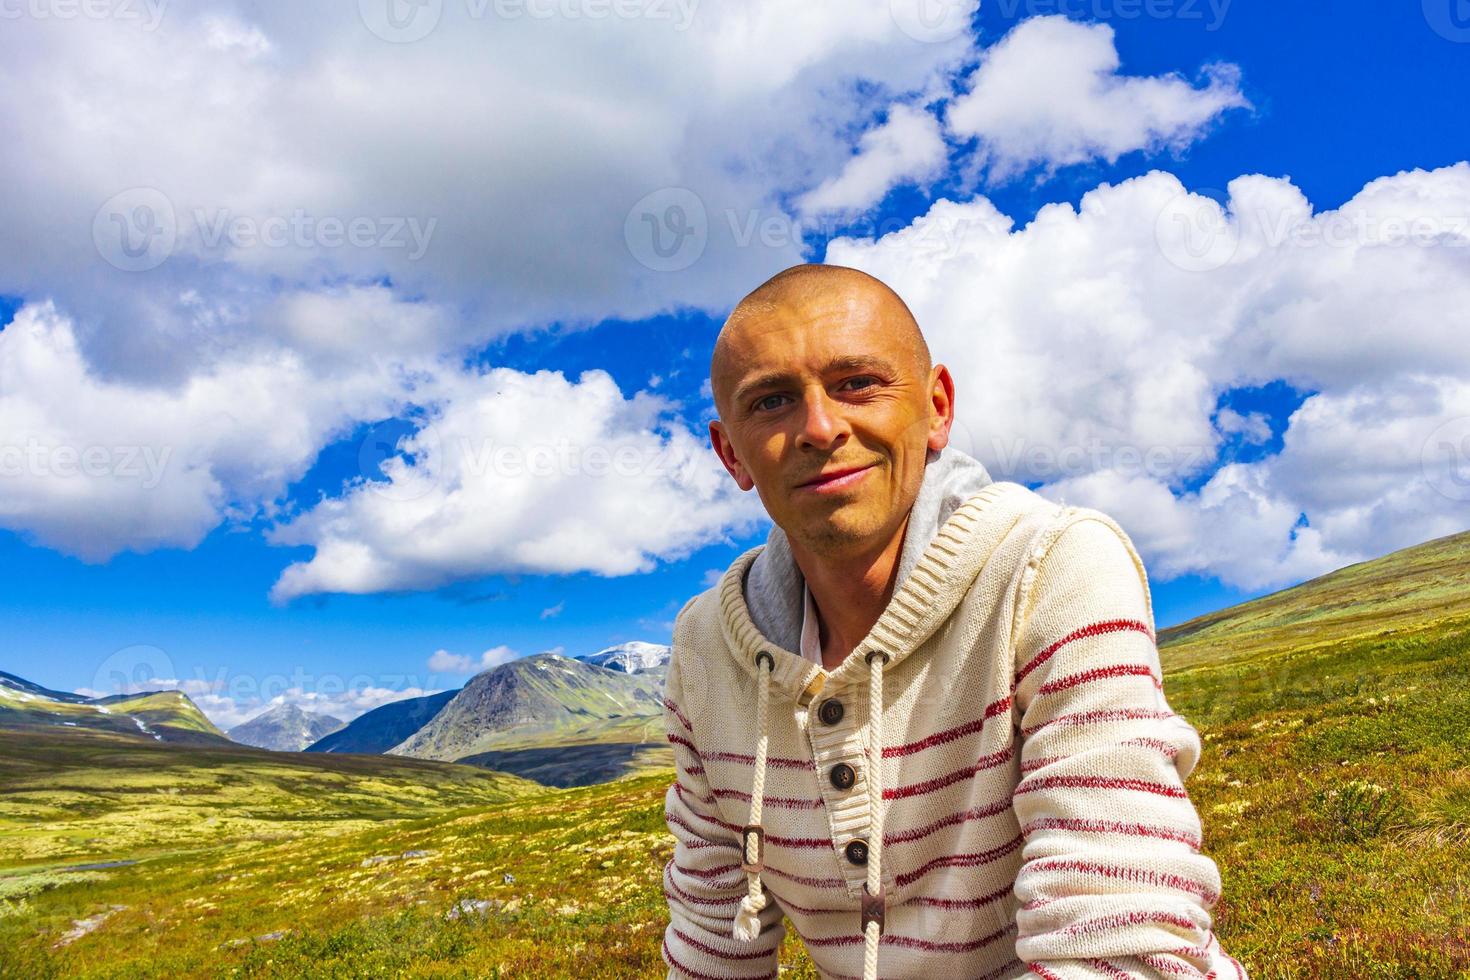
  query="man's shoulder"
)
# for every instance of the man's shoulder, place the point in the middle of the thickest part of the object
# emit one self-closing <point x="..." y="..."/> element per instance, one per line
<point x="699" y="624"/>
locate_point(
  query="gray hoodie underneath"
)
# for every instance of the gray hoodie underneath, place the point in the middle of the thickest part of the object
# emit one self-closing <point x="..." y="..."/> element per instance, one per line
<point x="773" y="584"/>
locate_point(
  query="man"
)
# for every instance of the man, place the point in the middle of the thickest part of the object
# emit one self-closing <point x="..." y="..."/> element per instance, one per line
<point x="925" y="721"/>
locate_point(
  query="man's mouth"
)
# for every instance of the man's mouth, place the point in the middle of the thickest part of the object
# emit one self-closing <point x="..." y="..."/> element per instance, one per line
<point x="836" y="479"/>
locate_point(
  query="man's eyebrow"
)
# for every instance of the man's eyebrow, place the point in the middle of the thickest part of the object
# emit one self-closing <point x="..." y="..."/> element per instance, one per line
<point x="846" y="362"/>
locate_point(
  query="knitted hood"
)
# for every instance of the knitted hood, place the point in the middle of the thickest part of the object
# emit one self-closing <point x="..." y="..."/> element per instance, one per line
<point x="772" y="590"/>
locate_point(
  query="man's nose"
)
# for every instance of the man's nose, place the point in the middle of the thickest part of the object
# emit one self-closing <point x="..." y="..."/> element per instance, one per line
<point x="822" y="424"/>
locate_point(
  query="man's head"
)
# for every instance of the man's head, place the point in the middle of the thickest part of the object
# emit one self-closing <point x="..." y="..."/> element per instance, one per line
<point x="822" y="369"/>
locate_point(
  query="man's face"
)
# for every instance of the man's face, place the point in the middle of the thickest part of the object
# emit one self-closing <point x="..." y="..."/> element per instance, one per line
<point x="827" y="387"/>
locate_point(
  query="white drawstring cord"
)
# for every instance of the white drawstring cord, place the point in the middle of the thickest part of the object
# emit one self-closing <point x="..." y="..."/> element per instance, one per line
<point x="752" y="841"/>
<point x="873" y="901"/>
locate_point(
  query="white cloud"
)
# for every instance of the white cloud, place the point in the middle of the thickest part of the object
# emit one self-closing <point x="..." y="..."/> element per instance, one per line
<point x="444" y="662"/>
<point x="94" y="465"/>
<point x="1049" y="93"/>
<point x="551" y="612"/>
<point x="1254" y="428"/>
<point x="1090" y="348"/>
<point x="523" y="141"/>
<point x="522" y="473"/>
<point x="906" y="148"/>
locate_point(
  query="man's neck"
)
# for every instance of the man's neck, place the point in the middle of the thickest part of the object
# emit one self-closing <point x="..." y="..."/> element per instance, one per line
<point x="850" y="593"/>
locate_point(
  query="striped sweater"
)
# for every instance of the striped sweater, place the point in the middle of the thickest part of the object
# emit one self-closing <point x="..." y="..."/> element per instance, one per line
<point x="1028" y="817"/>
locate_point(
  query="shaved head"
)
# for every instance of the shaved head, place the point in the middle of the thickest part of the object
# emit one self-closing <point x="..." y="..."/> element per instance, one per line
<point x="828" y="405"/>
<point x="804" y="289"/>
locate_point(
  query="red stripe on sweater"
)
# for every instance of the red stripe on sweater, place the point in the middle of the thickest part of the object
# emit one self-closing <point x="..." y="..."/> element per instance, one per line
<point x="777" y="762"/>
<point x="1096" y="717"/>
<point x="949" y="734"/>
<point x="1042" y="972"/>
<point x="974" y="813"/>
<point x="1083" y="825"/>
<point x="962" y="903"/>
<point x="671" y="886"/>
<point x="715" y="872"/>
<point x="1166" y="749"/>
<point x="913" y="942"/>
<point x="682" y="789"/>
<point x="1103" y="966"/>
<point x="784" y="802"/>
<point x="696" y="975"/>
<point x="1035" y="783"/>
<point x="1171" y="965"/>
<point x="712" y="951"/>
<point x="1099" y="674"/>
<point x="679" y="714"/>
<point x="939" y="782"/>
<point x="995" y="974"/>
<point x="1177" y="882"/>
<point x="1119" y="920"/>
<point x="960" y="861"/>
<point x="772" y="839"/>
<point x="1092" y="629"/>
<point x="681" y="740"/>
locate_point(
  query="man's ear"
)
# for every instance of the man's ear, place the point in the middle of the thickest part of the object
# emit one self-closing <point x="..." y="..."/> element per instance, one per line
<point x="941" y="404"/>
<point x="725" y="449"/>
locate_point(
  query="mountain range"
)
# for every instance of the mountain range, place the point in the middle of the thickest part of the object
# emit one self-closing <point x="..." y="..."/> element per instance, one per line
<point x="557" y="719"/>
<point x="285" y="728"/>
<point x="164" y="716"/>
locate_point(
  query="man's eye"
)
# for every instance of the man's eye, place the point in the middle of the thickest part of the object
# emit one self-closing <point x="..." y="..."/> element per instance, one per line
<point x="865" y="377"/>
<point x="762" y="402"/>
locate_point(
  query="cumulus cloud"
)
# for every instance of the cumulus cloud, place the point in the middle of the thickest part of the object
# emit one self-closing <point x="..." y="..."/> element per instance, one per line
<point x="1050" y="94"/>
<point x="444" y="662"/>
<point x="493" y="164"/>
<point x="94" y="465"/>
<point x="522" y="472"/>
<point x="1091" y="348"/>
<point x="906" y="148"/>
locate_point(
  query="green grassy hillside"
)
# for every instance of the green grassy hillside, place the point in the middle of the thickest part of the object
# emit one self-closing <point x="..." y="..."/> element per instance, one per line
<point x="1334" y="791"/>
<point x="77" y="796"/>
<point x="165" y="716"/>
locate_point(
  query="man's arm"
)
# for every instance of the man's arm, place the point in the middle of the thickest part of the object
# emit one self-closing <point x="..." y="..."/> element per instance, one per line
<point x="703" y="882"/>
<point x="1113" y="884"/>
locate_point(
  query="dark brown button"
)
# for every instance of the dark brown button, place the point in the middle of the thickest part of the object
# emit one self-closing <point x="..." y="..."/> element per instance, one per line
<point x="843" y="776"/>
<point x="830" y="712"/>
<point x="857" y="851"/>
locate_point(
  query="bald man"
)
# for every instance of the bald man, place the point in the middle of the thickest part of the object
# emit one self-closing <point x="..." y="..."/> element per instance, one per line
<point x="925" y="720"/>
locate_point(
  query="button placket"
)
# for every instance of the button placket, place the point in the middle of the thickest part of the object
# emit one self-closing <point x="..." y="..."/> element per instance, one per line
<point x="841" y="762"/>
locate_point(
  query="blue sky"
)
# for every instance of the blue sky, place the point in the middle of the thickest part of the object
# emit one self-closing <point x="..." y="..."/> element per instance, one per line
<point x="1322" y="97"/>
